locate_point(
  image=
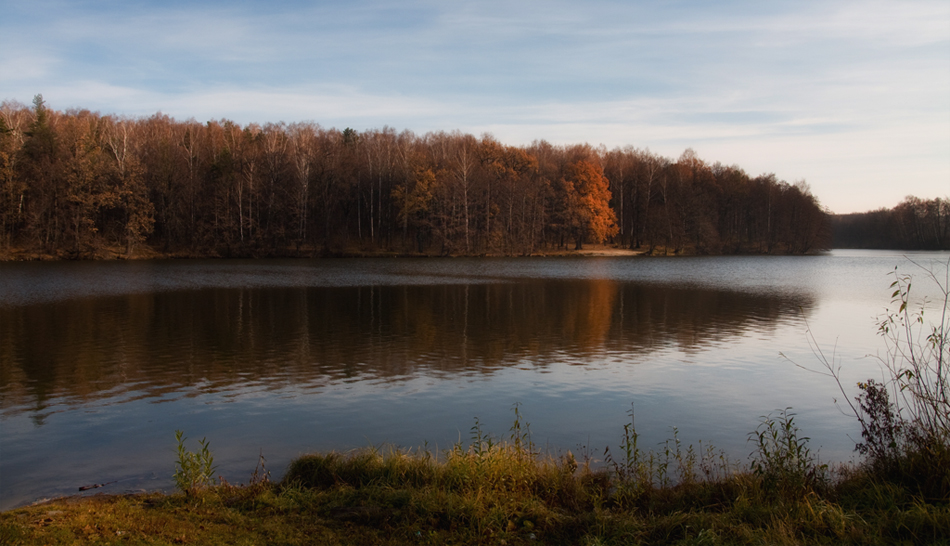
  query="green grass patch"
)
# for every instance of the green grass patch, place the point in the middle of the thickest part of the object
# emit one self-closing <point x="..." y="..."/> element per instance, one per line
<point x="506" y="492"/>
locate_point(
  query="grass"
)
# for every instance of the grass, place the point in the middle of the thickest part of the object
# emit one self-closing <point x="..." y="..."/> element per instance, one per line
<point x="507" y="492"/>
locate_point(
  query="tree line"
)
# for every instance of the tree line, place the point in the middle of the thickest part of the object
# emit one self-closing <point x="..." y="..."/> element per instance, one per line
<point x="914" y="224"/>
<point x="75" y="182"/>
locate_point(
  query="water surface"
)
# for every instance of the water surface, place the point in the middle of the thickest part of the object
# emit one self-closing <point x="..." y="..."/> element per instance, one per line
<point x="103" y="361"/>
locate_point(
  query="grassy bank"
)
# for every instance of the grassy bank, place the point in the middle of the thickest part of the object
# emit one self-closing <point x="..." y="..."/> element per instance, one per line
<point x="506" y="492"/>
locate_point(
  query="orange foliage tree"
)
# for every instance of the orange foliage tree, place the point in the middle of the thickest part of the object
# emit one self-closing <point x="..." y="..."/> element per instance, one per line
<point x="587" y="212"/>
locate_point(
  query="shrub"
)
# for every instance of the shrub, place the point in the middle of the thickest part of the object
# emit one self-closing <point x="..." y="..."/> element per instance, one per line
<point x="906" y="431"/>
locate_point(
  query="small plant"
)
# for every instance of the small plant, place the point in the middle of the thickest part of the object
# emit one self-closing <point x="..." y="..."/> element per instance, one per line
<point x="686" y="461"/>
<point x="261" y="475"/>
<point x="482" y="442"/>
<point x="882" y="428"/>
<point x="521" y="438"/>
<point x="628" y="467"/>
<point x="782" y="458"/>
<point x="194" y="471"/>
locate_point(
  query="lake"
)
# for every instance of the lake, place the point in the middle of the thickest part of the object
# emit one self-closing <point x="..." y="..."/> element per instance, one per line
<point x="103" y="361"/>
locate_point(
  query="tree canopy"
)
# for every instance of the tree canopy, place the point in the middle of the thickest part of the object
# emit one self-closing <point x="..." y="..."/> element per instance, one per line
<point x="73" y="183"/>
<point x="914" y="224"/>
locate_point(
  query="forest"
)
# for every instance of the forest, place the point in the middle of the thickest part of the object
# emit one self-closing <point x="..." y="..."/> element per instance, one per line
<point x="79" y="184"/>
<point x="914" y="224"/>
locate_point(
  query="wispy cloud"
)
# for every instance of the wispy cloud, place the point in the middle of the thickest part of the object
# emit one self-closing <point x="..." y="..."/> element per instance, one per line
<point x="846" y="94"/>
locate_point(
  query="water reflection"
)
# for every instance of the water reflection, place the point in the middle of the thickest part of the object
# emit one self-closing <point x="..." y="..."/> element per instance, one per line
<point x="165" y="344"/>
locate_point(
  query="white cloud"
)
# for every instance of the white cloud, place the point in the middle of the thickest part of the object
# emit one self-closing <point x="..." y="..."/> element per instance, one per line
<point x="845" y="94"/>
<point x="25" y="68"/>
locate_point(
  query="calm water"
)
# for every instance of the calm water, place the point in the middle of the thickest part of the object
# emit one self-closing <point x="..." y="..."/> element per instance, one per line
<point x="102" y="362"/>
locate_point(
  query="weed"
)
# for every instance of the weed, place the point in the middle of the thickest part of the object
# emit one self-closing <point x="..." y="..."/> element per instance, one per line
<point x="261" y="474"/>
<point x="630" y="467"/>
<point x="194" y="471"/>
<point x="521" y="438"/>
<point x="782" y="458"/>
<point x="482" y="443"/>
<point x="883" y="430"/>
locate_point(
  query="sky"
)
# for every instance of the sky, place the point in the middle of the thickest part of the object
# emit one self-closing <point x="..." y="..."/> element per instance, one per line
<point x="851" y="97"/>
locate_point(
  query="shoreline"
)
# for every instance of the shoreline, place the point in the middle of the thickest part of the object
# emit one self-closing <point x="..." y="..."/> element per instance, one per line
<point x="113" y="254"/>
<point x="148" y="253"/>
<point x="504" y="493"/>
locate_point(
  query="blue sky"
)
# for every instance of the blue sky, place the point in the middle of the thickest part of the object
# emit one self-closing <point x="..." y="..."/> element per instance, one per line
<point x="852" y="97"/>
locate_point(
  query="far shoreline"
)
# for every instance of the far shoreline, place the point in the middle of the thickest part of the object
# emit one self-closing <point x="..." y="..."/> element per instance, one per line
<point x="144" y="253"/>
<point x="147" y="253"/>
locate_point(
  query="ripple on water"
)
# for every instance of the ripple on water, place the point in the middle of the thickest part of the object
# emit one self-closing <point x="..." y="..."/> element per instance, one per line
<point x="104" y="361"/>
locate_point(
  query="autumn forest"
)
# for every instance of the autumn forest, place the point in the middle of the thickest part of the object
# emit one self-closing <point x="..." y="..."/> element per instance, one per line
<point x="76" y="183"/>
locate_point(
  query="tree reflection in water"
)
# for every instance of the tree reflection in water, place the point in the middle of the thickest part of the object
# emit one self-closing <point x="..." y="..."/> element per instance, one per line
<point x="147" y="345"/>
